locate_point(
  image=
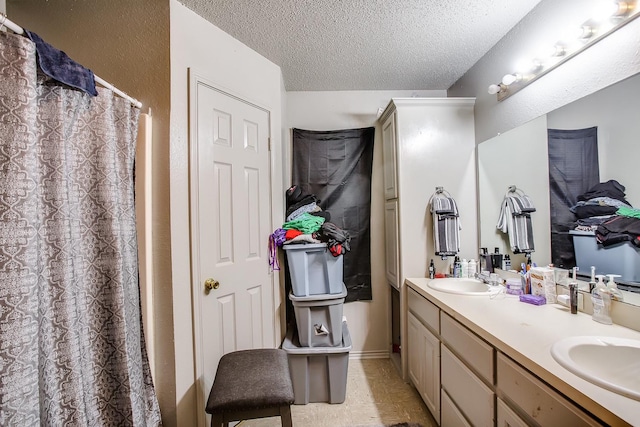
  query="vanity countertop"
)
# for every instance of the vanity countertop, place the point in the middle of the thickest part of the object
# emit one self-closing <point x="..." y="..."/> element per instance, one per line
<point x="526" y="333"/>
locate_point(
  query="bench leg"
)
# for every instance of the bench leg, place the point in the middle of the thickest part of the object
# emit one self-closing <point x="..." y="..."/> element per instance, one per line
<point x="285" y="416"/>
<point x="216" y="421"/>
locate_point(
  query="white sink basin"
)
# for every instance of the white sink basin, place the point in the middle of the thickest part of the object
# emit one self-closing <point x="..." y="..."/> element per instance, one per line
<point x="612" y="363"/>
<point x="463" y="286"/>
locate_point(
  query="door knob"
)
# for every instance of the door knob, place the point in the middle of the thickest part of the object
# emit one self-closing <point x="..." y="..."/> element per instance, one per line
<point x="211" y="284"/>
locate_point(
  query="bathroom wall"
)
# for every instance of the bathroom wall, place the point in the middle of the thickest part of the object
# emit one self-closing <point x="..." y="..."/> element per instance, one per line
<point x="608" y="61"/>
<point x="368" y="321"/>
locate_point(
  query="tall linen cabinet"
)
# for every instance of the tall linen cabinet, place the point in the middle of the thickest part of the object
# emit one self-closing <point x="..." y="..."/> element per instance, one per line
<point x="427" y="143"/>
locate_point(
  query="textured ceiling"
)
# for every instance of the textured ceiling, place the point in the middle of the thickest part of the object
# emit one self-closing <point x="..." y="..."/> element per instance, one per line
<point x="366" y="44"/>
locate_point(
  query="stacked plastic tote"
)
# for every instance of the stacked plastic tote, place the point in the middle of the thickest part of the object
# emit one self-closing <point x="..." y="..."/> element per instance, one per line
<point x="319" y="351"/>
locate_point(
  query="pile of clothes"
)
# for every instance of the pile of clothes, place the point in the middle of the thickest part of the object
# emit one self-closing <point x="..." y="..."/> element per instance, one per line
<point x="306" y="222"/>
<point x="604" y="209"/>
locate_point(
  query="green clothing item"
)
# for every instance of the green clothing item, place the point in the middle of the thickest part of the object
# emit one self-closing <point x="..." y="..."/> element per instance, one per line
<point x="306" y="223"/>
<point x="630" y="212"/>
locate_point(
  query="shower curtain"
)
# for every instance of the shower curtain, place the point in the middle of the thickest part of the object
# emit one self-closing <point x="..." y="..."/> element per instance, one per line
<point x="71" y="344"/>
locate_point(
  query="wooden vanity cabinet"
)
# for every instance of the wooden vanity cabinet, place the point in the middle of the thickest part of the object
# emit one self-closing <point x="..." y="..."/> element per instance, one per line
<point x="465" y="381"/>
<point x="423" y="354"/>
<point x="467" y="372"/>
<point x="537" y="402"/>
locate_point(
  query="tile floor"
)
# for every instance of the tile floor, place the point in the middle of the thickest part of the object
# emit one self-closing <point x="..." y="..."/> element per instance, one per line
<point x="376" y="396"/>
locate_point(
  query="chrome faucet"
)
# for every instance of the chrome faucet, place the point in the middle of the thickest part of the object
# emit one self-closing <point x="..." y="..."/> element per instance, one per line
<point x="491" y="279"/>
<point x="483" y="277"/>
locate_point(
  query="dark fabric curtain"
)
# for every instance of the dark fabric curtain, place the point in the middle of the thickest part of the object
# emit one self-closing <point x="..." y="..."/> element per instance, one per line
<point x="336" y="167"/>
<point x="573" y="169"/>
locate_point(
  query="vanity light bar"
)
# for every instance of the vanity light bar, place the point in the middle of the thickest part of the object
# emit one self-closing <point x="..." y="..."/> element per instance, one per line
<point x="609" y="17"/>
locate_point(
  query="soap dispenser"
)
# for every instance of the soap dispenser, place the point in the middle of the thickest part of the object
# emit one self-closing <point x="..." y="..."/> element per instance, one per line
<point x="601" y="299"/>
<point x="616" y="295"/>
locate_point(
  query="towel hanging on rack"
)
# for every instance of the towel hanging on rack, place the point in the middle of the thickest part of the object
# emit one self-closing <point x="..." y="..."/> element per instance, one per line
<point x="446" y="223"/>
<point x="515" y="219"/>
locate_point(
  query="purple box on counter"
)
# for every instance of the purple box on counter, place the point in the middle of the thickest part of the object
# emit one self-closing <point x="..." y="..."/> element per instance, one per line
<point x="533" y="299"/>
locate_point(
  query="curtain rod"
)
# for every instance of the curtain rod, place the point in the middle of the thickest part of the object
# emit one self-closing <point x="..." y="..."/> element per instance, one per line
<point x="6" y="22"/>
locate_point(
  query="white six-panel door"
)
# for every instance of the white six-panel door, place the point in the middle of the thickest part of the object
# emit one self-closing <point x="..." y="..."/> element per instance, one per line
<point x="231" y="224"/>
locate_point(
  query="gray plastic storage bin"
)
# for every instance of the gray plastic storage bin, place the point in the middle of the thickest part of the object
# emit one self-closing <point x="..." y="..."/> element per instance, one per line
<point x="319" y="318"/>
<point x="318" y="374"/>
<point x="622" y="258"/>
<point x="313" y="269"/>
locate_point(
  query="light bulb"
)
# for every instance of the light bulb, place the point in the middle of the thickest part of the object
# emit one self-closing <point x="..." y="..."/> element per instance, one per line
<point x="579" y="33"/>
<point x="557" y="50"/>
<point x="528" y="65"/>
<point x="608" y="9"/>
<point x="584" y="32"/>
<point x="510" y="79"/>
<point x="493" y="89"/>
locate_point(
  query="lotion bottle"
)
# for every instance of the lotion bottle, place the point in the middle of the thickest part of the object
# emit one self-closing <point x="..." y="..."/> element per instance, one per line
<point x="601" y="299"/>
<point x="464" y="268"/>
<point x="616" y="295"/>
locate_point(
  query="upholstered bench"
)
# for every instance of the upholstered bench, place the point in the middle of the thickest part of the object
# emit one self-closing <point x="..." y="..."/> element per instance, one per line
<point x="251" y="384"/>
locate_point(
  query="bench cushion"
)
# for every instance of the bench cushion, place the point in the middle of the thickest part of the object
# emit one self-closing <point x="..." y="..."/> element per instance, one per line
<point x="251" y="379"/>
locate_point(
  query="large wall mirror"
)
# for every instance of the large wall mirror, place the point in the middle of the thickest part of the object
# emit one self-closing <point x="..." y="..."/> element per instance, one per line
<point x="520" y="157"/>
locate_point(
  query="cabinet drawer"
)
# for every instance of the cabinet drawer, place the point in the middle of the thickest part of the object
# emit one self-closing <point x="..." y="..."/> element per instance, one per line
<point x="542" y="404"/>
<point x="427" y="312"/>
<point x="474" y="351"/>
<point x="507" y="417"/>
<point x="451" y="416"/>
<point x="472" y="397"/>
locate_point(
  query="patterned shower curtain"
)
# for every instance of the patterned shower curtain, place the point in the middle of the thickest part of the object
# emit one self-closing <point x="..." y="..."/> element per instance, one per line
<point x="71" y="345"/>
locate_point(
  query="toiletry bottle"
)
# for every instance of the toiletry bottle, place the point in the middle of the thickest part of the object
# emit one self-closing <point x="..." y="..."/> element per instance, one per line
<point x="616" y="295"/>
<point x="464" y="268"/>
<point x="506" y="262"/>
<point x="456" y="267"/>
<point x="592" y="281"/>
<point x="473" y="267"/>
<point x="483" y="256"/>
<point x="496" y="258"/>
<point x="573" y="297"/>
<point x="601" y="299"/>
<point x="432" y="270"/>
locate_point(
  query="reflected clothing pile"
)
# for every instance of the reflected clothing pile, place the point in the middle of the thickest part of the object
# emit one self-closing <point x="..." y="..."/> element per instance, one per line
<point x="515" y="220"/>
<point x="446" y="224"/>
<point x="602" y="200"/>
<point x="619" y="229"/>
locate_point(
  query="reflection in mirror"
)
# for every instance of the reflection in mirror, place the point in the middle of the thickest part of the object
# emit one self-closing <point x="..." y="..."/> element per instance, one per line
<point x="517" y="157"/>
<point x="520" y="157"/>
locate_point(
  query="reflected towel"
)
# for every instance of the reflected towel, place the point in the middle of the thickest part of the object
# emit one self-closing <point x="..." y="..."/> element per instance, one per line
<point x="515" y="219"/>
<point x="57" y="65"/>
<point x="520" y="203"/>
